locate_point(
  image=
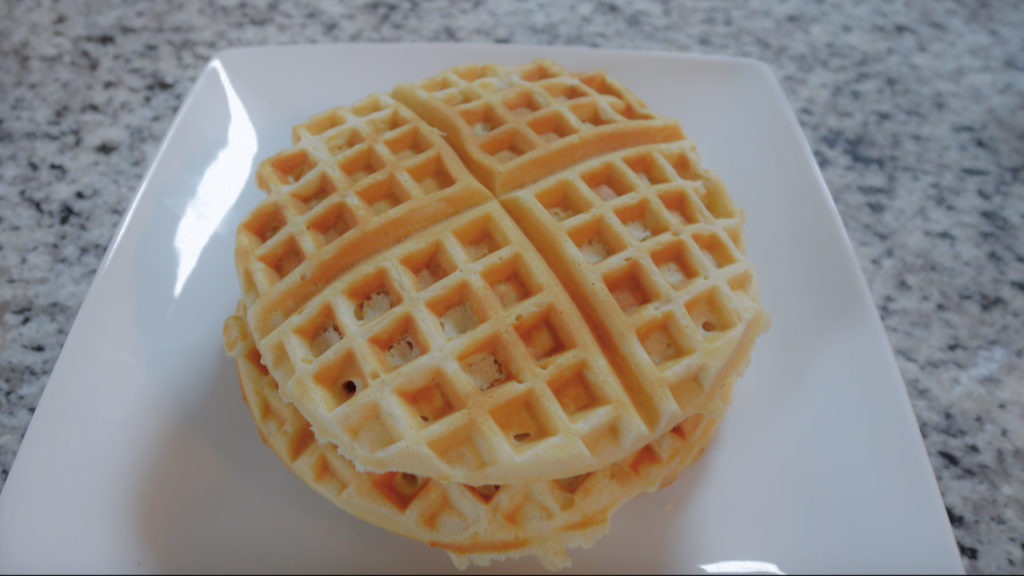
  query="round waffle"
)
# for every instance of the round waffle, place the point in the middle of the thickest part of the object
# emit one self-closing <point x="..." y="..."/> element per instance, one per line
<point x="497" y="275"/>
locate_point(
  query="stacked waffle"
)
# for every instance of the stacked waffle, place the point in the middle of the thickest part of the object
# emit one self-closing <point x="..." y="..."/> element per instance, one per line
<point x="486" y="310"/>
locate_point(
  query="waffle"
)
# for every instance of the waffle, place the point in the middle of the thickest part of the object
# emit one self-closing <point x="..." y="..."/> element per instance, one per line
<point x="475" y="525"/>
<point x="514" y="126"/>
<point x="434" y="304"/>
<point x="457" y="355"/>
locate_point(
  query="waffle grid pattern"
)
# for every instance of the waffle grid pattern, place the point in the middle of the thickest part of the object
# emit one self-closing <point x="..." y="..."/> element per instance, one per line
<point x="475" y="525"/>
<point x="454" y="356"/>
<point x="651" y="247"/>
<point x="371" y="166"/>
<point x="516" y="125"/>
<point x="427" y="325"/>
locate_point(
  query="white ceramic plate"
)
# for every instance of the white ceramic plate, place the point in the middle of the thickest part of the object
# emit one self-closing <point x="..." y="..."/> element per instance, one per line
<point x="141" y="457"/>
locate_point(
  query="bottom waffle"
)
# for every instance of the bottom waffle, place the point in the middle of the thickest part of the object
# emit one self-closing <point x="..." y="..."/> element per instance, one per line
<point x="474" y="524"/>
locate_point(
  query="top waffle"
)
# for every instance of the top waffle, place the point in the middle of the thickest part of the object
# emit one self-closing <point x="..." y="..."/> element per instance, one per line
<point x="422" y="326"/>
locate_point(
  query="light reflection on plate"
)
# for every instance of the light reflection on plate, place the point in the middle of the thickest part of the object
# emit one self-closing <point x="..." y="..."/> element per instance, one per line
<point x="741" y="567"/>
<point x="220" y="186"/>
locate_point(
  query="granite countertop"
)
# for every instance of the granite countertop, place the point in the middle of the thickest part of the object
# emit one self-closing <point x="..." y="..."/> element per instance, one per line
<point x="914" y="111"/>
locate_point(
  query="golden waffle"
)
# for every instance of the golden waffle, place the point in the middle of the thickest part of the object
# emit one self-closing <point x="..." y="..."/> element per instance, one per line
<point x="412" y="322"/>
<point x="456" y="355"/>
<point x="514" y="126"/>
<point x="474" y="525"/>
<point x="357" y="179"/>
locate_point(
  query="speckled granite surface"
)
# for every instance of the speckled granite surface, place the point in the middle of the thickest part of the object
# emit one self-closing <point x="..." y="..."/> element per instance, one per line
<point x="915" y="112"/>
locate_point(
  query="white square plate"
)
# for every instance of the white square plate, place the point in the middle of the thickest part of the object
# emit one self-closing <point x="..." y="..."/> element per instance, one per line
<point x="142" y="458"/>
